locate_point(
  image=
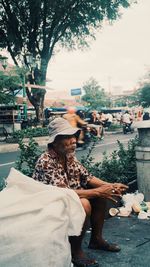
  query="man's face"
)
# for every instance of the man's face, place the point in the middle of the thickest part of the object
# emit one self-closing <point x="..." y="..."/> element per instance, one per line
<point x="65" y="144"/>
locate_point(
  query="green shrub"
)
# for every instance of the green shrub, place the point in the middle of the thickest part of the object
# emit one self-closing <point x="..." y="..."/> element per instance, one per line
<point x="2" y="183"/>
<point x="120" y="166"/>
<point x="28" y="156"/>
<point x="114" y="127"/>
<point x="29" y="133"/>
<point x="28" y="153"/>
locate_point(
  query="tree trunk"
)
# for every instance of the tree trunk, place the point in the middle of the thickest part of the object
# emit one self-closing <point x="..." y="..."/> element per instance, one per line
<point x="40" y="109"/>
<point x="36" y="96"/>
<point x="37" y="100"/>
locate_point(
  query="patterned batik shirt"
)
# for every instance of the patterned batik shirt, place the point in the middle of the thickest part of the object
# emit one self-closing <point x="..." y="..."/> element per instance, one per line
<point x="49" y="170"/>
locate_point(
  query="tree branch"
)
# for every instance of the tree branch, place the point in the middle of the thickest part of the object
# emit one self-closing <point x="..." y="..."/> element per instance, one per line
<point x="11" y="53"/>
<point x="12" y="23"/>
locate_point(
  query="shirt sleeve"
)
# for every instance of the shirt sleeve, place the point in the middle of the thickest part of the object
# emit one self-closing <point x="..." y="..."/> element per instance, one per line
<point x="40" y="169"/>
<point x="85" y="176"/>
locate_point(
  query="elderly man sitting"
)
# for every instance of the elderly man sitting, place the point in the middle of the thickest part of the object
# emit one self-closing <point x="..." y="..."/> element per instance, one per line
<point x="58" y="166"/>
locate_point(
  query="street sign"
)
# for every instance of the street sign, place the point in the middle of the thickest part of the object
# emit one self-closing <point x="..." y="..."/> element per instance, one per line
<point x="76" y="91"/>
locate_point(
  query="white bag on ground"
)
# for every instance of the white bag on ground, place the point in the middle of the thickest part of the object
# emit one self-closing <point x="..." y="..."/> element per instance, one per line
<point x="35" y="221"/>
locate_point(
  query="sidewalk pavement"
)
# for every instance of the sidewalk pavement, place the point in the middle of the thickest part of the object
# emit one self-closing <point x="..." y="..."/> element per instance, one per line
<point x="42" y="141"/>
<point x="132" y="235"/>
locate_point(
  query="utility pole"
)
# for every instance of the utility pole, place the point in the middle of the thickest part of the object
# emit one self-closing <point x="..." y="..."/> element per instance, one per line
<point x="109" y="85"/>
<point x="109" y="90"/>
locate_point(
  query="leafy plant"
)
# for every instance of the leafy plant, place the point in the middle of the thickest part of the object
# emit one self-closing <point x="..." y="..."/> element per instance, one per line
<point x="2" y="183"/>
<point x="95" y="95"/>
<point x="8" y="85"/>
<point x="114" y="127"/>
<point x="29" y="133"/>
<point x="120" y="166"/>
<point x="28" y="156"/>
<point x="144" y="95"/>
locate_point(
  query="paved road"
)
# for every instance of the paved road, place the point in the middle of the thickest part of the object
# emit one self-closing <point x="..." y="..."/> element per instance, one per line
<point x="109" y="144"/>
<point x="7" y="160"/>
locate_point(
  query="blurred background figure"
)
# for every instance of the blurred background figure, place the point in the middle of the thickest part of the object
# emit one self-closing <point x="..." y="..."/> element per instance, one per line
<point x="118" y="117"/>
<point x="109" y="120"/>
<point x="102" y="118"/>
<point x="81" y="114"/>
<point x="139" y="115"/>
<point x="127" y="120"/>
<point x="76" y="121"/>
<point x="146" y="116"/>
<point x="96" y="124"/>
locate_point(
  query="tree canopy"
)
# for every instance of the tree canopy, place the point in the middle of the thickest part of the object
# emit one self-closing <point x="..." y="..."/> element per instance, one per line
<point x="95" y="95"/>
<point x="8" y="85"/>
<point x="127" y="100"/>
<point x="144" y="95"/>
<point x="38" y="27"/>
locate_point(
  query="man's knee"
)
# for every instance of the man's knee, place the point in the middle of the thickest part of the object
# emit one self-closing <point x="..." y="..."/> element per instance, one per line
<point x="86" y="205"/>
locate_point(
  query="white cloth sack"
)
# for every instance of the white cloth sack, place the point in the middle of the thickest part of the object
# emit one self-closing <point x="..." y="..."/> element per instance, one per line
<point x="35" y="221"/>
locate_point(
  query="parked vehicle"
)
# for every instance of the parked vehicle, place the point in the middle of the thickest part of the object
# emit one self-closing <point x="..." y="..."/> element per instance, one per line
<point x="11" y="117"/>
<point x="3" y="134"/>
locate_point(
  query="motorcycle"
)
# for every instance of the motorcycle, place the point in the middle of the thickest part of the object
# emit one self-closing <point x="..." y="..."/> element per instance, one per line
<point x="88" y="135"/>
<point x="127" y="128"/>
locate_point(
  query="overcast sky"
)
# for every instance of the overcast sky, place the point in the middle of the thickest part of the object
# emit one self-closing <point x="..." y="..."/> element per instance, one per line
<point x="117" y="59"/>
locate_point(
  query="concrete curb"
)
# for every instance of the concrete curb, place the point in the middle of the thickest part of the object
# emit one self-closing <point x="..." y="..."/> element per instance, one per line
<point x="6" y="147"/>
<point x="42" y="141"/>
<point x="115" y="132"/>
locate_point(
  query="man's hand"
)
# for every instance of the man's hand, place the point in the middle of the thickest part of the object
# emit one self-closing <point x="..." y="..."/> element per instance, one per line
<point x="120" y="187"/>
<point x="99" y="188"/>
<point x="108" y="191"/>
